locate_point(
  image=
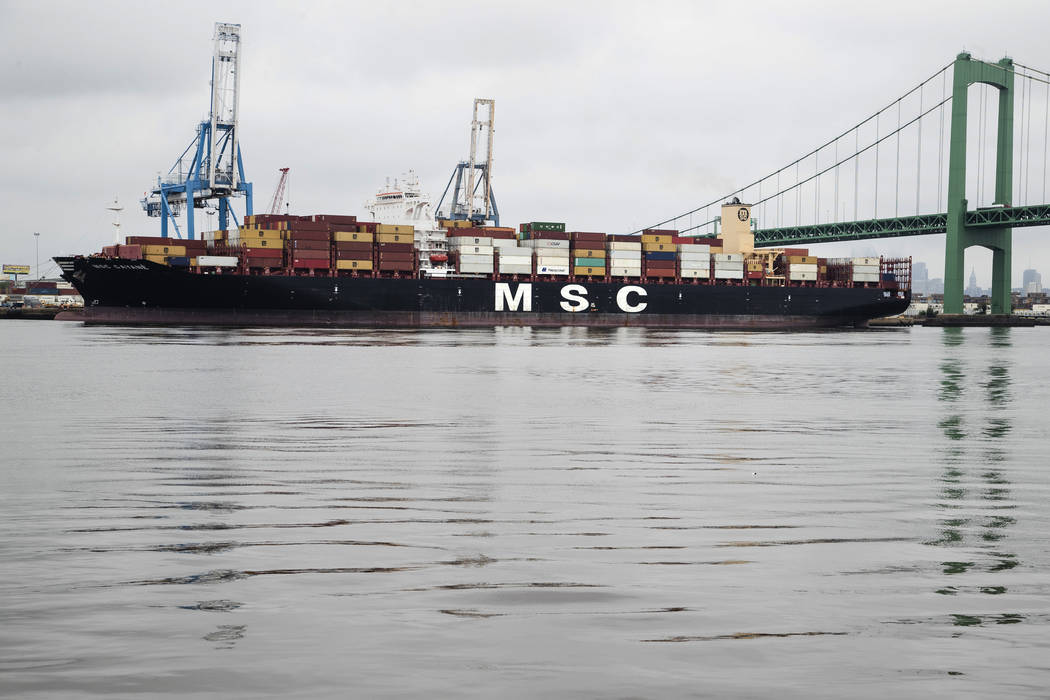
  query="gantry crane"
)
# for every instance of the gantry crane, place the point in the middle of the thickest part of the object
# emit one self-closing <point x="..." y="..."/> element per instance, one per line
<point x="467" y="203"/>
<point x="278" y="194"/>
<point x="210" y="168"/>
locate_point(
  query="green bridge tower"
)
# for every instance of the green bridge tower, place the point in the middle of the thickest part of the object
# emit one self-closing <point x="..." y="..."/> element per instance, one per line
<point x="968" y="71"/>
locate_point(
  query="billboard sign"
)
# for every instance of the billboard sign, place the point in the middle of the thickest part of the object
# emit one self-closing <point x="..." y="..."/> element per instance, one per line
<point x="16" y="269"/>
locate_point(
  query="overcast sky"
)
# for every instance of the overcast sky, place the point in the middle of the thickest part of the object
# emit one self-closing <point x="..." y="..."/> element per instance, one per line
<point x="609" y="115"/>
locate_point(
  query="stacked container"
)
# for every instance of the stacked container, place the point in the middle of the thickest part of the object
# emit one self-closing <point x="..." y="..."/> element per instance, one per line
<point x="729" y="266"/>
<point x="694" y="260"/>
<point x="552" y="252"/>
<point x="514" y="259"/>
<point x="866" y="269"/>
<point x="474" y="248"/>
<point x="659" y="252"/>
<point x="625" y="256"/>
<point x="588" y="254"/>
<point x="395" y="248"/>
<point x="802" y="268"/>
<point x="165" y="251"/>
<point x="355" y="249"/>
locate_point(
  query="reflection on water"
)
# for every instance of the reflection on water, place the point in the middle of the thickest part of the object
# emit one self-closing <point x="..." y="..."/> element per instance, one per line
<point x="975" y="460"/>
<point x="522" y="512"/>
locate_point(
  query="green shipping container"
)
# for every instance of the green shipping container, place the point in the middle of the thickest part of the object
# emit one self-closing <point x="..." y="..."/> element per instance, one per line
<point x="590" y="262"/>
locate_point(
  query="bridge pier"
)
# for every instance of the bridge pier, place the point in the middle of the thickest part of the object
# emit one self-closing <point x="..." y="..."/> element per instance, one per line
<point x="967" y="71"/>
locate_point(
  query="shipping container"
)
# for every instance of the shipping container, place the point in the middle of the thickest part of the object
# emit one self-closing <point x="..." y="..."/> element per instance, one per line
<point x="625" y="245"/>
<point x="695" y="257"/>
<point x="589" y="252"/>
<point x="456" y="241"/>
<point x="353" y="264"/>
<point x="552" y="243"/>
<point x="273" y="234"/>
<point x="307" y="245"/>
<point x="309" y="263"/>
<point x="659" y="247"/>
<point x="515" y="260"/>
<point x="694" y="248"/>
<point x="656" y="238"/>
<point x="802" y="259"/>
<point x="696" y="273"/>
<point x="395" y="247"/>
<point x="803" y="267"/>
<point x="352" y="236"/>
<point x="584" y="236"/>
<point x="256" y="243"/>
<point x="544" y="227"/>
<point x="474" y="249"/>
<point x="397" y="256"/>
<point x="396" y="237"/>
<point x="476" y="268"/>
<point x="660" y="265"/>
<point x="866" y="262"/>
<point x="515" y="268"/>
<point x="394" y="228"/>
<point x="729" y="257"/>
<point x="625" y="271"/>
<point x="588" y="262"/>
<point x="797" y="276"/>
<point x="217" y="261"/>
<point x="656" y="255"/>
<point x="475" y="258"/>
<point x="543" y="269"/>
<point x="729" y="274"/>
<point x="354" y="246"/>
<point x="588" y="271"/>
<point x="257" y="261"/>
<point x="865" y="277"/>
<point x="163" y="250"/>
<point x="178" y="261"/>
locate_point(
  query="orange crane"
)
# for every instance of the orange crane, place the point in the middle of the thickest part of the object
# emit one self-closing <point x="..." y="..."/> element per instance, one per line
<point x="278" y="195"/>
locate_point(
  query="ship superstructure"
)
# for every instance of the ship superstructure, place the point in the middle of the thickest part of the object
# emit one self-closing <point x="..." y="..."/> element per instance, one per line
<point x="402" y="202"/>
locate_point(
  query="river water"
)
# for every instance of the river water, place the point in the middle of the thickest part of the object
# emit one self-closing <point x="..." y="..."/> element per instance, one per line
<point x="570" y="513"/>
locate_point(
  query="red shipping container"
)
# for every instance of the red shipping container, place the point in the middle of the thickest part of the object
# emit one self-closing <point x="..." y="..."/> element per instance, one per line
<point x="754" y="274"/>
<point x="354" y="246"/>
<point x="550" y="235"/>
<point x="661" y="231"/>
<point x="501" y="235"/>
<point x="624" y="238"/>
<point x="310" y="263"/>
<point x="131" y="252"/>
<point x="299" y="244"/>
<point x="298" y="234"/>
<point x="309" y="226"/>
<point x="396" y="247"/>
<point x="354" y="255"/>
<point x="584" y="236"/>
<point x="796" y="251"/>
<point x="263" y="262"/>
<point x="395" y="265"/>
<point x="335" y="218"/>
<point x="397" y="257"/>
<point x="111" y="251"/>
<point x="157" y="240"/>
<point x="659" y="264"/>
<point x="311" y="254"/>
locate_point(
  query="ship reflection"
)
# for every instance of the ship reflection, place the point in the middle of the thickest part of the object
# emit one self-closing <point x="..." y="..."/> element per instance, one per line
<point x="975" y="399"/>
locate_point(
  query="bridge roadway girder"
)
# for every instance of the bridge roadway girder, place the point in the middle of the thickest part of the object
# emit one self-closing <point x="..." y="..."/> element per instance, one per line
<point x="919" y="225"/>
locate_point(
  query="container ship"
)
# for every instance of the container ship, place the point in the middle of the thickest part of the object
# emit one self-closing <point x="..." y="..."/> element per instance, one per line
<point x="339" y="270"/>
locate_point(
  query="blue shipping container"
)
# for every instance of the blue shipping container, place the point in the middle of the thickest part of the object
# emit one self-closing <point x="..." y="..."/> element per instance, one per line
<point x="178" y="261"/>
<point x="656" y="255"/>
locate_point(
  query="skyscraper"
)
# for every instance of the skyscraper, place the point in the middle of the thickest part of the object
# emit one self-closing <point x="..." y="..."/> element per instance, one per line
<point x="972" y="289"/>
<point x="920" y="278"/>
<point x="1032" y="282"/>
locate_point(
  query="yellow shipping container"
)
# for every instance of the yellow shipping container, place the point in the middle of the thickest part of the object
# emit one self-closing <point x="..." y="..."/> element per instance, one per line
<point x="163" y="250"/>
<point x="270" y="243"/>
<point x="396" y="237"/>
<point x="802" y="259"/>
<point x="589" y="271"/>
<point x="656" y="238"/>
<point x="353" y="264"/>
<point x="653" y="247"/>
<point x="271" y="233"/>
<point x="353" y="236"/>
<point x="449" y="223"/>
<point x="589" y="253"/>
<point x="395" y="228"/>
<point x="162" y="259"/>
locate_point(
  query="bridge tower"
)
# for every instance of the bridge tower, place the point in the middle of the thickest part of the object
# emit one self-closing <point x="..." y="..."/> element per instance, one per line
<point x="966" y="72"/>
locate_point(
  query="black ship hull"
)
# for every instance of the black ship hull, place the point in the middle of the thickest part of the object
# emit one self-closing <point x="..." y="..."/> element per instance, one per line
<point x="142" y="292"/>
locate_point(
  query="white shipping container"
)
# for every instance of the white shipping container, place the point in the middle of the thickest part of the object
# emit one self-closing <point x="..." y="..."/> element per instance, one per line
<point x="553" y="259"/>
<point x="719" y="265"/>
<point x="631" y="258"/>
<point x="474" y="249"/>
<point x="801" y="276"/>
<point x="866" y="261"/>
<point x="476" y="259"/>
<point x="690" y="266"/>
<point x="514" y="260"/>
<point x="622" y="271"/>
<point x="476" y="268"/>
<point x="866" y="269"/>
<point x="803" y="267"/>
<point x="514" y="250"/>
<point x="694" y="248"/>
<point x="729" y="274"/>
<point x="217" y="261"/>
<point x="552" y="269"/>
<point x="547" y="243"/>
<point x="470" y="240"/>
<point x="624" y="245"/>
<point x="865" y="277"/>
<point x="697" y="274"/>
<point x="515" y="269"/>
<point x="695" y="257"/>
<point x="729" y="257"/>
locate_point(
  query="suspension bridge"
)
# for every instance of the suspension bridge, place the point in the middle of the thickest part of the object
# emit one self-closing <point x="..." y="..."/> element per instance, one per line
<point x="956" y="155"/>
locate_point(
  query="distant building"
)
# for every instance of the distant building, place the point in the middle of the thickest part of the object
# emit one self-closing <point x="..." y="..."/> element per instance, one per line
<point x="1031" y="282"/>
<point x="972" y="289"/>
<point x="920" y="278"/>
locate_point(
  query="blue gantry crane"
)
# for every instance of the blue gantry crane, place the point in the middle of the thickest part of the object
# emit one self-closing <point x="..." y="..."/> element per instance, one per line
<point x="467" y="204"/>
<point x="210" y="170"/>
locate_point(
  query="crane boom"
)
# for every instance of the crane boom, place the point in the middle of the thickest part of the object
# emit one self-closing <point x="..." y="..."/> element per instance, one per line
<point x="278" y="195"/>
